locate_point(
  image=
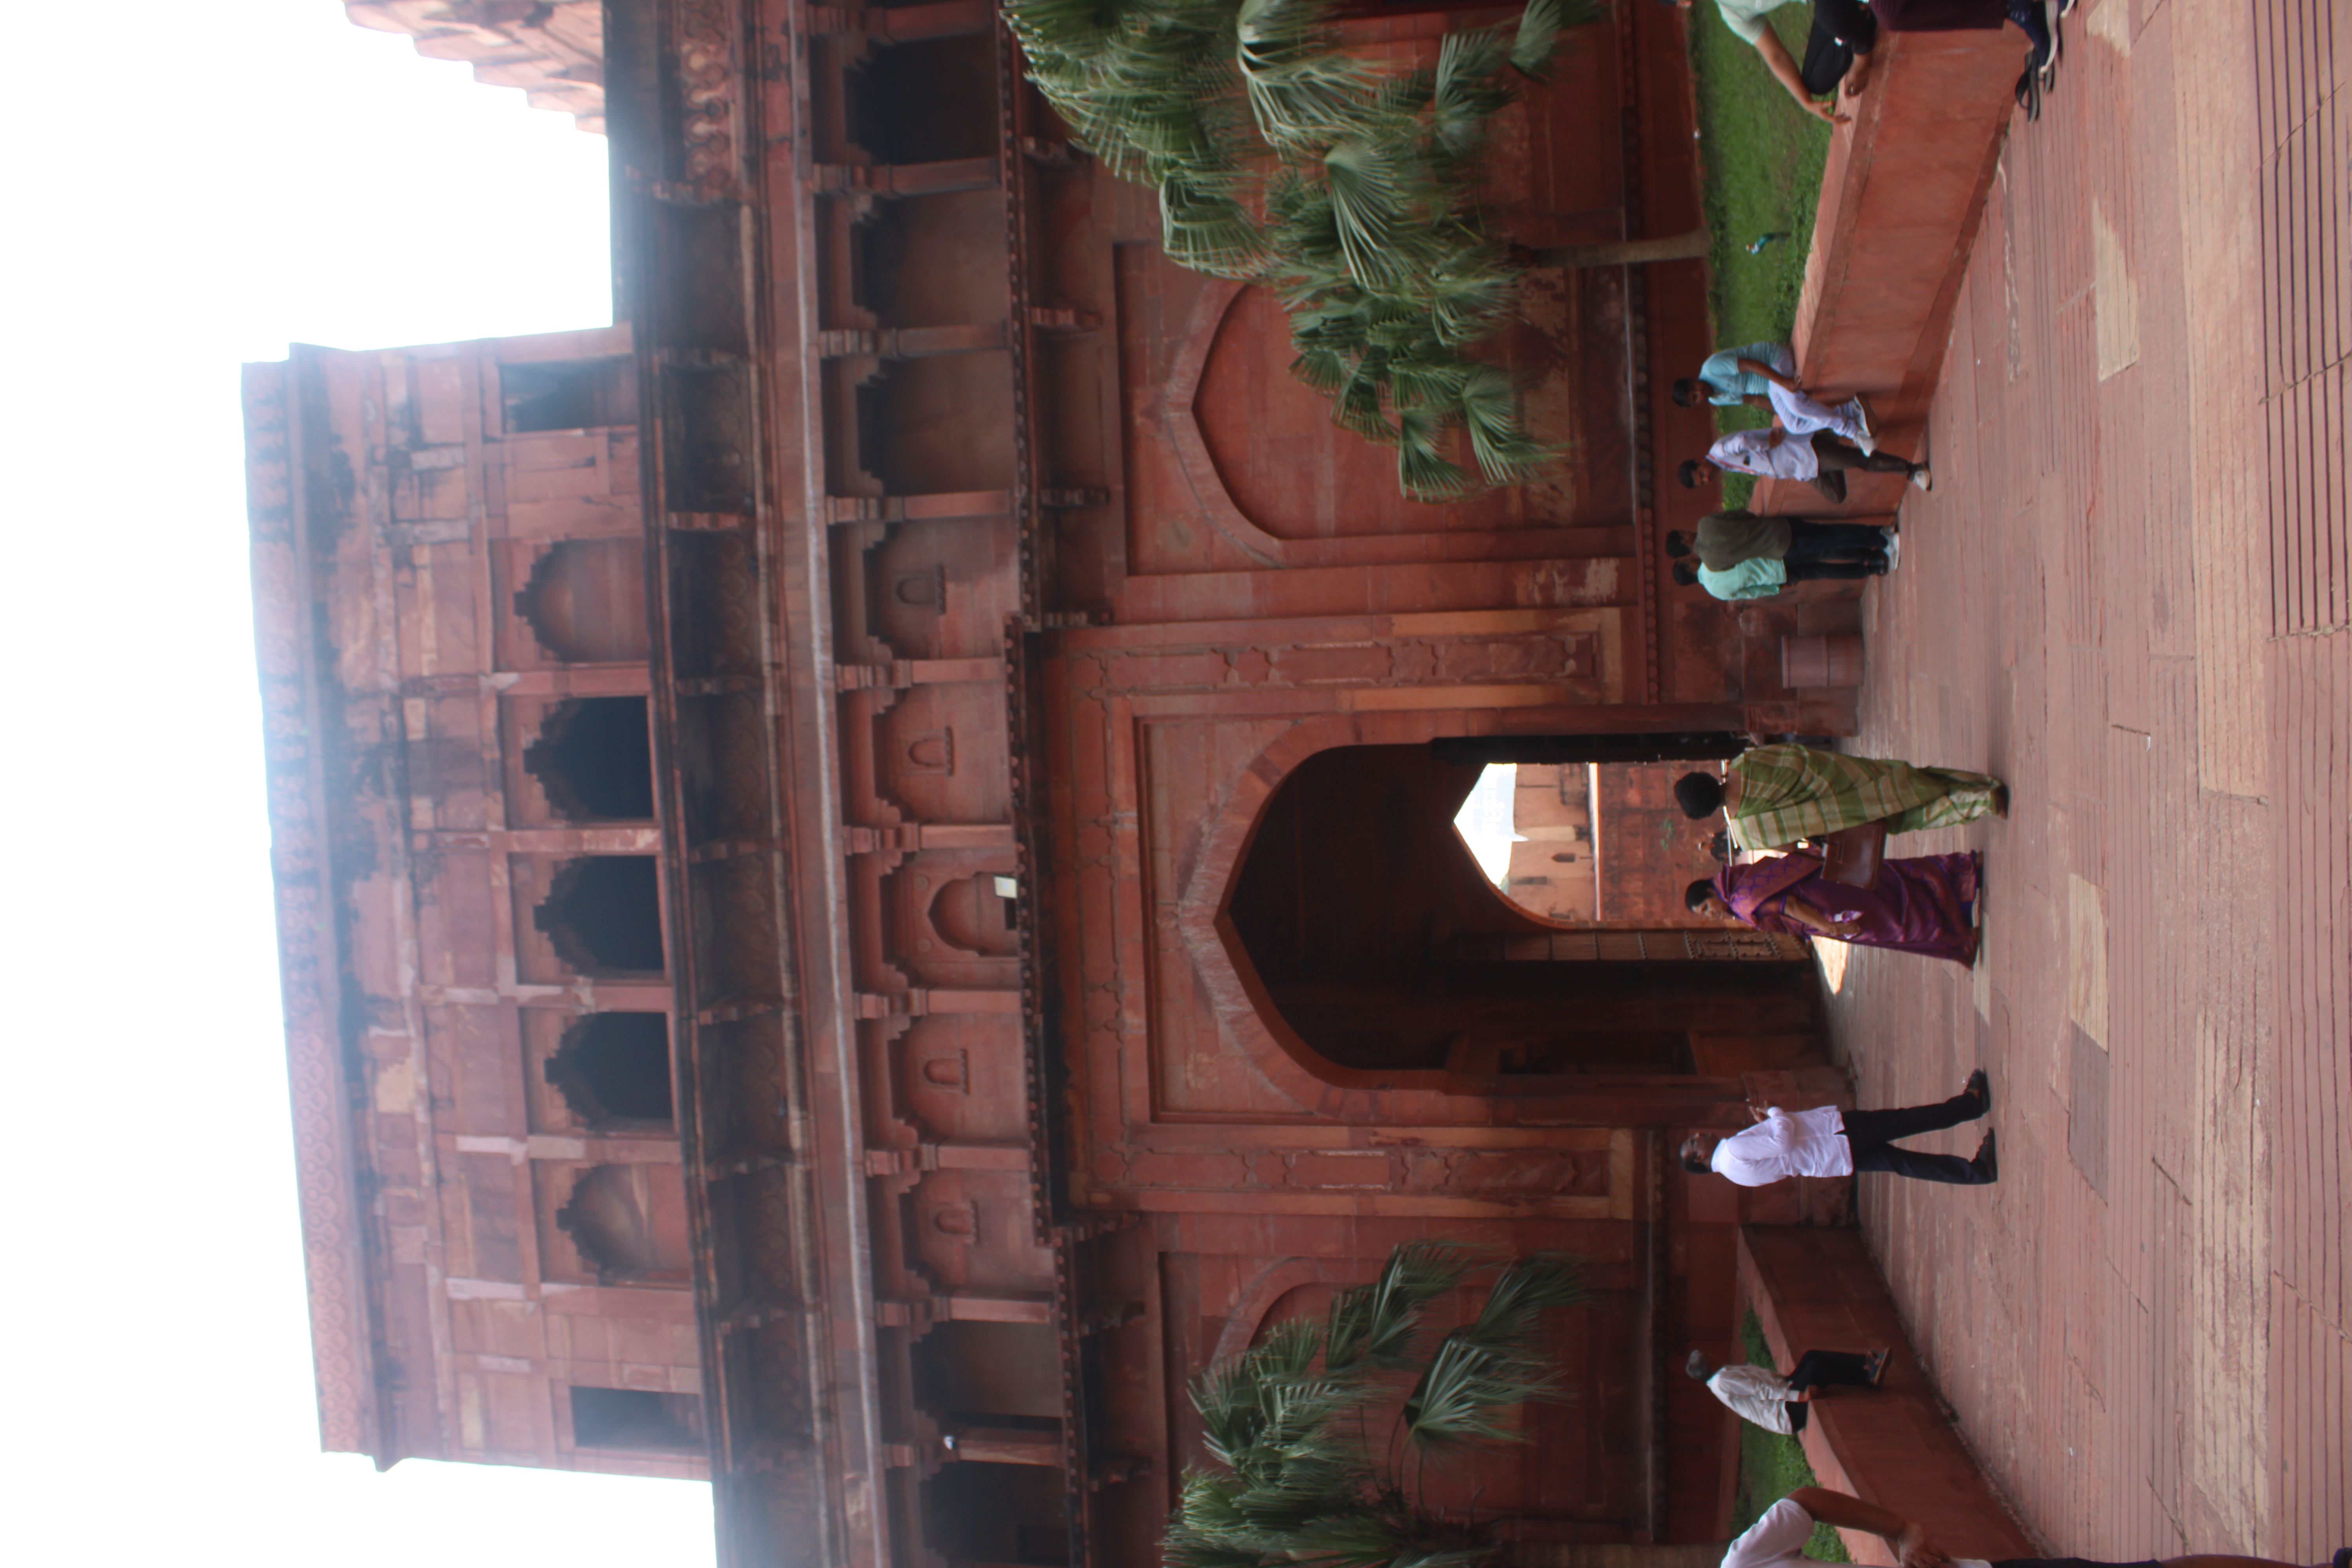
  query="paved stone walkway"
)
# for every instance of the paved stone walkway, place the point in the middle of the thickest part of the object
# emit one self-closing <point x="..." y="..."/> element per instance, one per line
<point x="2129" y="594"/>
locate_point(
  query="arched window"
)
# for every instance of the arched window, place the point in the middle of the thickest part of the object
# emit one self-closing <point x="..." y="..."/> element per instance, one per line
<point x="602" y="915"/>
<point x="586" y="602"/>
<point x="612" y="1069"/>
<point x="594" y="760"/>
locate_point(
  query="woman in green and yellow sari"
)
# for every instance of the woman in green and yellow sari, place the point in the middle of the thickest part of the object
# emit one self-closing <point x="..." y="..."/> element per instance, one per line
<point x="1774" y="796"/>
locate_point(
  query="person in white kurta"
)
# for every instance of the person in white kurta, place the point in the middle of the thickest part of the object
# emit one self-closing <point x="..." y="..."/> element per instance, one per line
<point x="1778" y="1403"/>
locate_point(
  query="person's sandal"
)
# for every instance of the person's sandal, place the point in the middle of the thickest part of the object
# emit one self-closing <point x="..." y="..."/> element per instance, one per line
<point x="1987" y="1159"/>
<point x="1980" y="1086"/>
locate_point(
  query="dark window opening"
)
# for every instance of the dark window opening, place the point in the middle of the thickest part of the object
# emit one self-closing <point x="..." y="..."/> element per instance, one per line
<point x="594" y="759"/>
<point x="612" y="1069"/>
<point x="997" y="1513"/>
<point x="586" y="602"/>
<point x="569" y="395"/>
<point x="635" y="1419"/>
<point x="927" y="101"/>
<point x="603" y="913"/>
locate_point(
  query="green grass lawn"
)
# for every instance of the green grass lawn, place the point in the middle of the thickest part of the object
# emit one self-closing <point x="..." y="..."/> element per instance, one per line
<point x="1761" y="159"/>
<point x="1771" y="1465"/>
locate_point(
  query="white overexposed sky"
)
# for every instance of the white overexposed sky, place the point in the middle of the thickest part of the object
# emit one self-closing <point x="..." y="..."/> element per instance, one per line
<point x="190" y="187"/>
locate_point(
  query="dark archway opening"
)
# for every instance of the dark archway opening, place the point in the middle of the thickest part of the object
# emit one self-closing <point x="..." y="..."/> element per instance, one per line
<point x="594" y="759"/>
<point x="602" y="915"/>
<point x="612" y="1069"/>
<point x="1384" y="948"/>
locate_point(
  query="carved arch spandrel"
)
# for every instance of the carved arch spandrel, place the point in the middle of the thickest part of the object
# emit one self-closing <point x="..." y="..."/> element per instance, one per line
<point x="1178" y="423"/>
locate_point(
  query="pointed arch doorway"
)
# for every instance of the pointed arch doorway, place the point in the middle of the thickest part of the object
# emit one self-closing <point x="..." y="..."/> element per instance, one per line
<point x="1366" y="928"/>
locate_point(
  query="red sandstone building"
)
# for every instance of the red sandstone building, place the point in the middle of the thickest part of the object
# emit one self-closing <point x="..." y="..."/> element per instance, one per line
<point x="866" y="878"/>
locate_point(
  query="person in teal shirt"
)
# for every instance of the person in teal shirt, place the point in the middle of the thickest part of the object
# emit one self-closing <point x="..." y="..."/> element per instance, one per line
<point x="1764" y="376"/>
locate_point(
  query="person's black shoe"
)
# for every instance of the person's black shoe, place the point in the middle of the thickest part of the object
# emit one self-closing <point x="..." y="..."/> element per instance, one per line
<point x="2343" y="1558"/>
<point x="1979" y="1088"/>
<point x="1988" y="1161"/>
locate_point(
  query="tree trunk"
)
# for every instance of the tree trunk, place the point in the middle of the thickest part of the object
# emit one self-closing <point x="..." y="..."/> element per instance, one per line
<point x="1572" y="1554"/>
<point x="1628" y="252"/>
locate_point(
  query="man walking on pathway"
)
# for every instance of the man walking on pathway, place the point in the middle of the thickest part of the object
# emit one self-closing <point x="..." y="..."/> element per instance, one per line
<point x="1764" y="376"/>
<point x="1778" y="1540"/>
<point x="1818" y="459"/>
<point x="1774" y="796"/>
<point x="1778" y="1403"/>
<point x="1743" y="556"/>
<point x="1828" y="1142"/>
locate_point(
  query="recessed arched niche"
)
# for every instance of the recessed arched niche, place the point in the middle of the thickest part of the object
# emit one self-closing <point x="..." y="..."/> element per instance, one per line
<point x="627" y="1223"/>
<point x="971" y="914"/>
<point x="584" y="601"/>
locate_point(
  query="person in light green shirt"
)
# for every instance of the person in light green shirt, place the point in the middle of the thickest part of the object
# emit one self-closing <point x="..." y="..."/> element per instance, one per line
<point x="1762" y="576"/>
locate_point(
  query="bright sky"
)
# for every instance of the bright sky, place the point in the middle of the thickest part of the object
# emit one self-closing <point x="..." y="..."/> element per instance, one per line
<point x="190" y="187"/>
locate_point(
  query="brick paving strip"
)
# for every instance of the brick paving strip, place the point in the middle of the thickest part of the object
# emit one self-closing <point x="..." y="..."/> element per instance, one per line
<point x="2130" y="594"/>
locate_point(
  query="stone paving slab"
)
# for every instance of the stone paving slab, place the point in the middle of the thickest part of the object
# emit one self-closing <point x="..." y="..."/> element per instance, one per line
<point x="2129" y="594"/>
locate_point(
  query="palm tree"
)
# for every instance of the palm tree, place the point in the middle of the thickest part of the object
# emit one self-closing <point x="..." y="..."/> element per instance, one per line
<point x="1347" y="189"/>
<point x="1297" y="1478"/>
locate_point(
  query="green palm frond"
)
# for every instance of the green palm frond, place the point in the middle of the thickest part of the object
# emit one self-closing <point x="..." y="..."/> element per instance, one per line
<point x="1464" y="91"/>
<point x="1505" y="453"/>
<point x="1464" y="1390"/>
<point x="1345" y="186"/>
<point x="1203" y="227"/>
<point x="1301" y="92"/>
<point x="1365" y="185"/>
<point x="1523" y="1291"/>
<point x="1540" y="25"/>
<point x="1423" y="470"/>
<point x="1180" y="1549"/>
<point x="1374" y="1323"/>
<point x="1357" y="405"/>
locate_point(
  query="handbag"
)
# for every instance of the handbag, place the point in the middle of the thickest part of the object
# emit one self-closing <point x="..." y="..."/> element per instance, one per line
<point x="1850" y="855"/>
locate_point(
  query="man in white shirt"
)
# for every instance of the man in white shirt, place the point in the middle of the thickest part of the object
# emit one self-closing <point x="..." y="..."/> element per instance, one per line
<point x="1778" y="1403"/>
<point x="1837" y="46"/>
<point x="1778" y="1540"/>
<point x="1818" y="458"/>
<point x="1828" y="1142"/>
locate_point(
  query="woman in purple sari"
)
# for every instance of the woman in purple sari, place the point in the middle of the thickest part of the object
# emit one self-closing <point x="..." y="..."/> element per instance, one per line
<point x="1925" y="904"/>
